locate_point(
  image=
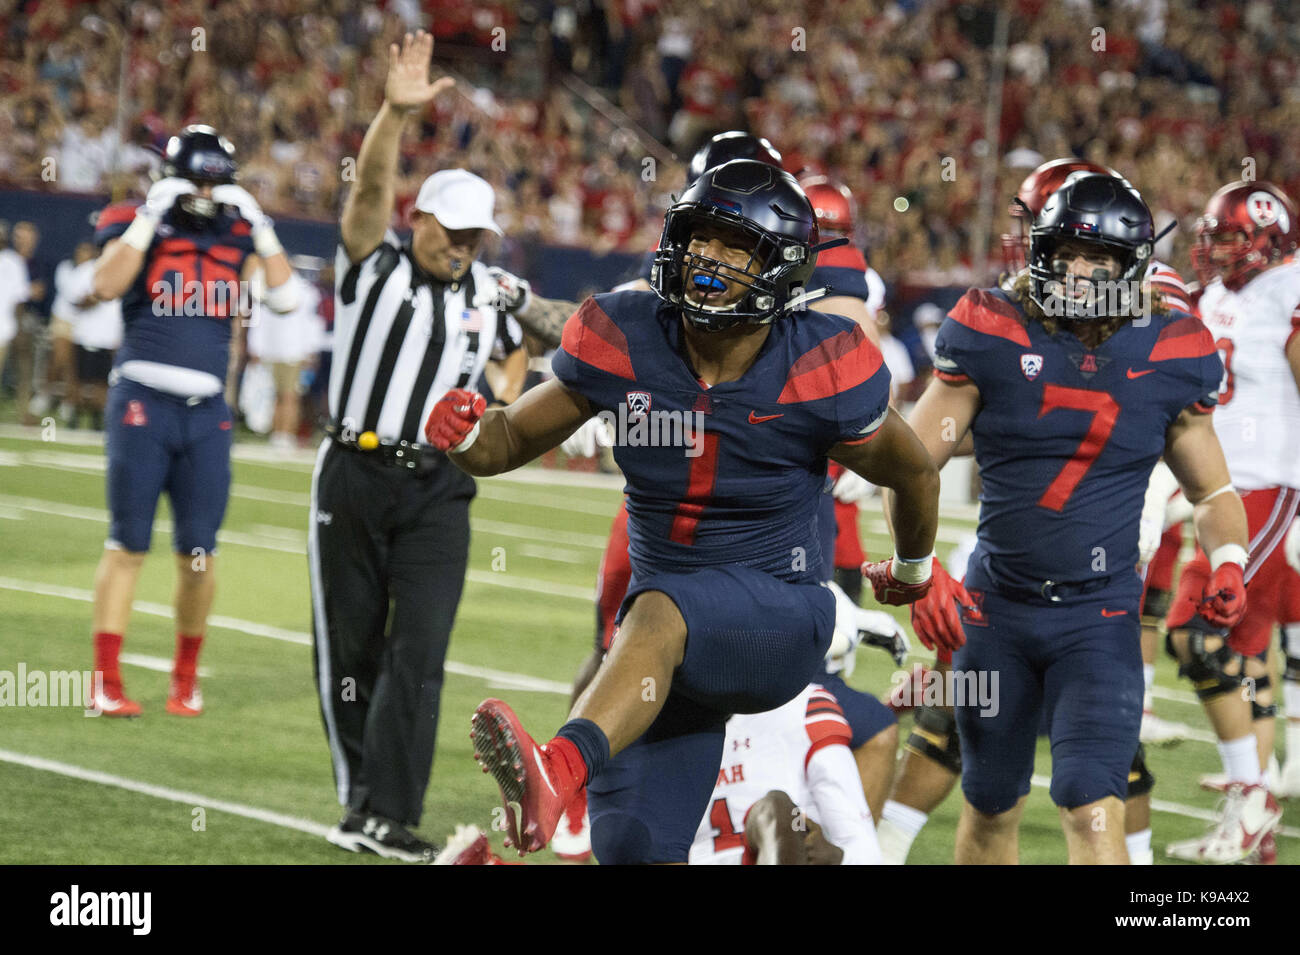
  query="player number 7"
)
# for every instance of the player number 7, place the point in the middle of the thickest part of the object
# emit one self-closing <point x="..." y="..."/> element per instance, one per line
<point x="1105" y="411"/>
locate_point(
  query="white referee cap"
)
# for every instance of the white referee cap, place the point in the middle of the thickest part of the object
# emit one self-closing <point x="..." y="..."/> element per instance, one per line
<point x="458" y="199"/>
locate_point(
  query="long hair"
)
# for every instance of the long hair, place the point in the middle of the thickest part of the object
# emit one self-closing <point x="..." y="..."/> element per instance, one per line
<point x="1020" y="291"/>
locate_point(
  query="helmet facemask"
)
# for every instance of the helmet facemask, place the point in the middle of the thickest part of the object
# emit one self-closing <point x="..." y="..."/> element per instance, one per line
<point x="1105" y="293"/>
<point x="767" y="276"/>
<point x="1224" y="253"/>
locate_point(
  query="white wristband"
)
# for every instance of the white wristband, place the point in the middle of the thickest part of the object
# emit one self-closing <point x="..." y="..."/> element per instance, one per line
<point x="911" y="570"/>
<point x="465" y="444"/>
<point x="1228" y="553"/>
<point x="139" y="234"/>
<point x="265" y="242"/>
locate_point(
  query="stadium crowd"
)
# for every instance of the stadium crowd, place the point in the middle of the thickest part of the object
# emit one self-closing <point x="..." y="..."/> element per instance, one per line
<point x="888" y="97"/>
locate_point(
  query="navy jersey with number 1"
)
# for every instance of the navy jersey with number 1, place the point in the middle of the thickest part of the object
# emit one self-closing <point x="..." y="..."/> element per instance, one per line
<point x="743" y="490"/>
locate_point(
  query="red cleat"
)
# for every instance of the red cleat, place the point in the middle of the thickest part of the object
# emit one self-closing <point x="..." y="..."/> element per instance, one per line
<point x="110" y="700"/>
<point x="530" y="778"/>
<point x="185" y="699"/>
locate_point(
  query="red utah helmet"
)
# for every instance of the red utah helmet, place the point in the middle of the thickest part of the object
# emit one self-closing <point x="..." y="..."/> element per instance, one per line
<point x="833" y="204"/>
<point x="1029" y="201"/>
<point x="1247" y="227"/>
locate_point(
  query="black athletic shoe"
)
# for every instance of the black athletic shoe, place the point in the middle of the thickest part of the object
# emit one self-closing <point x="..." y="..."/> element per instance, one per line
<point x="359" y="832"/>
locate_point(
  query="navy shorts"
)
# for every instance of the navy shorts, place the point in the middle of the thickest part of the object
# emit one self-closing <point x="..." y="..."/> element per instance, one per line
<point x="1076" y="664"/>
<point x="158" y="442"/>
<point x="867" y="716"/>
<point x="752" y="644"/>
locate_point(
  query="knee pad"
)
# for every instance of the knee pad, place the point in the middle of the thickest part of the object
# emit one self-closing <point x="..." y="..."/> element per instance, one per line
<point x="1156" y="607"/>
<point x="1206" y="669"/>
<point x="1260" y="711"/>
<point x="1140" y="779"/>
<point x="621" y="839"/>
<point x="934" y="736"/>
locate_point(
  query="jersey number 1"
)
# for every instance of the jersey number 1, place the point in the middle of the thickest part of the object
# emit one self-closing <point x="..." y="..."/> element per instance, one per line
<point x="1105" y="411"/>
<point x="720" y="819"/>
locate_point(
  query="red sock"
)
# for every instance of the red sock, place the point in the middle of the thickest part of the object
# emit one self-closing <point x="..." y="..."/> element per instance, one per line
<point x="187" y="656"/>
<point x="567" y="756"/>
<point x="107" y="647"/>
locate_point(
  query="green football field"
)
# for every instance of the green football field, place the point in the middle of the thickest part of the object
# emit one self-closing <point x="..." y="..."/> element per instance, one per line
<point x="250" y="780"/>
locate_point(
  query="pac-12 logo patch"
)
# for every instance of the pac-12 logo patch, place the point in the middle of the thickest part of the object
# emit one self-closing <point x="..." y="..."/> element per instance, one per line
<point x="135" y="416"/>
<point x="638" y="403"/>
<point x="1031" y="365"/>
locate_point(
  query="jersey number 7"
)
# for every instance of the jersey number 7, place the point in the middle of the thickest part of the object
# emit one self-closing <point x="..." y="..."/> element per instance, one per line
<point x="1105" y="411"/>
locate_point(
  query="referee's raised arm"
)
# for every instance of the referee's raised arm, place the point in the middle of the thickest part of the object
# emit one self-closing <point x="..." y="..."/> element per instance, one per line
<point x="369" y="206"/>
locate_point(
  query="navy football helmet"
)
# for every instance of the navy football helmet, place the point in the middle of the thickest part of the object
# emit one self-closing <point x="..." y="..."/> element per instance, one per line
<point x="1103" y="211"/>
<point x="765" y="205"/>
<point x="725" y="147"/>
<point x="204" y="157"/>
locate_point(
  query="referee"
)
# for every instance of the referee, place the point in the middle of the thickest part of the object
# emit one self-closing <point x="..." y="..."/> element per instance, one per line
<point x="389" y="536"/>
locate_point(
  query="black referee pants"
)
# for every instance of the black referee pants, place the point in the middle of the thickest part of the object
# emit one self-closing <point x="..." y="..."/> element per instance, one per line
<point x="387" y="548"/>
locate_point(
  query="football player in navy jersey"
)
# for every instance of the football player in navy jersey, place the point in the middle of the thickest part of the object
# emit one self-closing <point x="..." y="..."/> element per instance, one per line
<point x="1072" y="384"/>
<point x="724" y="613"/>
<point x="177" y="262"/>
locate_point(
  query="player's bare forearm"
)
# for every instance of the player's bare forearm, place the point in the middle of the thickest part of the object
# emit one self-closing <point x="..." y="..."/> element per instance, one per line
<point x="115" y="270"/>
<point x="277" y="268"/>
<point x="369" y="205"/>
<point x="1193" y="453"/>
<point x="896" y="459"/>
<point x="545" y="318"/>
<point x="507" y="377"/>
<point x="511" y="437"/>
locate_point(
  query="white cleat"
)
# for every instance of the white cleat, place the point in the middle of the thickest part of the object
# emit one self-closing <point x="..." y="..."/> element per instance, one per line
<point x="1248" y="814"/>
<point x="1161" y="732"/>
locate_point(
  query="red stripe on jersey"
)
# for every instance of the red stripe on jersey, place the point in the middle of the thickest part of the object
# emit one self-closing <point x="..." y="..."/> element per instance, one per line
<point x="116" y="214"/>
<point x="1203" y="408"/>
<point x="981" y="310"/>
<point x="842" y="257"/>
<point x="1295" y="329"/>
<point x="1169" y="285"/>
<point x="1185" y="338"/>
<point x="950" y="376"/>
<point x="825" y="723"/>
<point x="699" y="488"/>
<point x="591" y="336"/>
<point x="839" y="363"/>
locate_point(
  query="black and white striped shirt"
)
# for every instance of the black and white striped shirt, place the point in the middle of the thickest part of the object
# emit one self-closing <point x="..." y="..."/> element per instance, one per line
<point x="402" y="340"/>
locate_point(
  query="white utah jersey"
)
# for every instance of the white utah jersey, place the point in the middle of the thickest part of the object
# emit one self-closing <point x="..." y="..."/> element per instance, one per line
<point x="801" y="749"/>
<point x="1258" y="417"/>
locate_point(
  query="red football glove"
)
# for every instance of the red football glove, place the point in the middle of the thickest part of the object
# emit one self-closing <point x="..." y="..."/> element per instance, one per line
<point x="453" y="417"/>
<point x="936" y="617"/>
<point x="889" y="589"/>
<point x="1223" y="602"/>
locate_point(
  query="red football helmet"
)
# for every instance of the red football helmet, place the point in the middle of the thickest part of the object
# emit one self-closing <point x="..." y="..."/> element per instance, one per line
<point x="1038" y="185"/>
<point x="833" y="204"/>
<point x="1247" y="227"/>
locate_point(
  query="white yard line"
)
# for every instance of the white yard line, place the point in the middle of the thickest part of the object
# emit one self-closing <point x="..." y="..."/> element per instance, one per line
<point x="496" y="678"/>
<point x="157" y="664"/>
<point x="193" y="800"/>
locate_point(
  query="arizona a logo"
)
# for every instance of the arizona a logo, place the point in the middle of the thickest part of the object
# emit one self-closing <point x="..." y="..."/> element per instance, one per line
<point x="638" y="404"/>
<point x="1031" y="365"/>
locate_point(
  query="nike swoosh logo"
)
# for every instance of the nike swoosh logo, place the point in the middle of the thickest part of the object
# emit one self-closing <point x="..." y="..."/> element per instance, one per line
<point x="1138" y="374"/>
<point x="759" y="419"/>
<point x="1112" y="613"/>
<point x="537" y="758"/>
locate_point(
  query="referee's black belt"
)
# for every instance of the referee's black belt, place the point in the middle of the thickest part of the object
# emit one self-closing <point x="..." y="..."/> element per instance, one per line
<point x="421" y="458"/>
